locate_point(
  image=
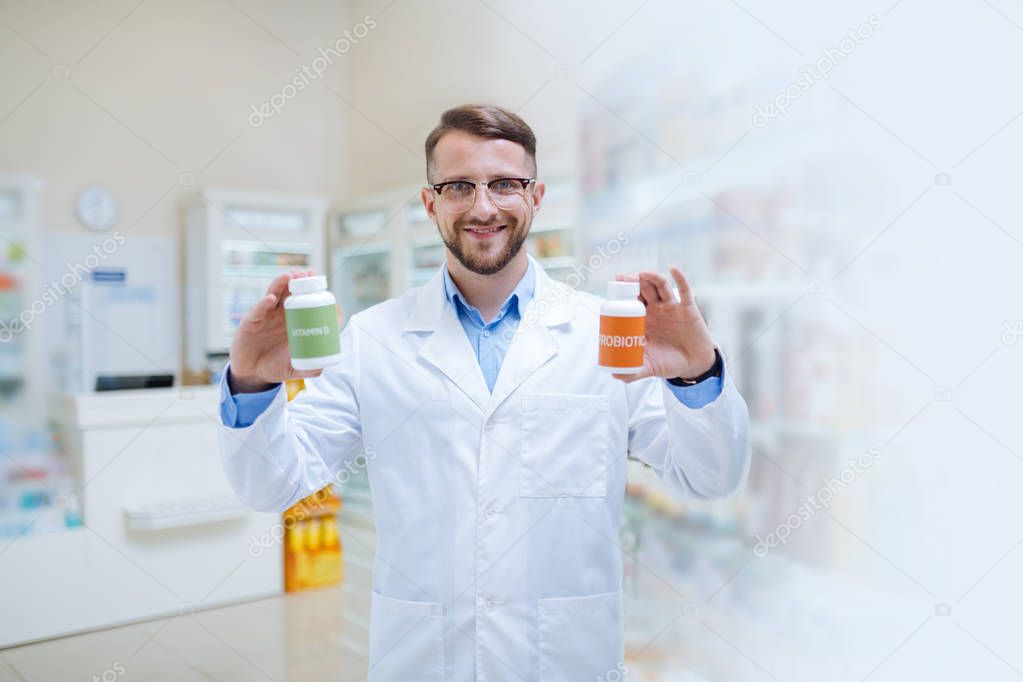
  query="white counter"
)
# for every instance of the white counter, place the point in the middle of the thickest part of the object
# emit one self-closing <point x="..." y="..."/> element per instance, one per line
<point x="133" y="560"/>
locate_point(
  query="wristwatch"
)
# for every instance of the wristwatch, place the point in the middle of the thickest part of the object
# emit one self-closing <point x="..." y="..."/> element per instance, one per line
<point x="714" y="371"/>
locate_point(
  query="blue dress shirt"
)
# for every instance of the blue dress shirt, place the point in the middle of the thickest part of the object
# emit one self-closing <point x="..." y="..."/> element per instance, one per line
<point x="489" y="340"/>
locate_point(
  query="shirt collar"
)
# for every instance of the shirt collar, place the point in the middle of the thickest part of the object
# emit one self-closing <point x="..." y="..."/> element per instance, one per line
<point x="519" y="297"/>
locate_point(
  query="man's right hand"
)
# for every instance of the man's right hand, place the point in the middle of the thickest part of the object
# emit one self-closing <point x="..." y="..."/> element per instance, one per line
<point x="259" y="353"/>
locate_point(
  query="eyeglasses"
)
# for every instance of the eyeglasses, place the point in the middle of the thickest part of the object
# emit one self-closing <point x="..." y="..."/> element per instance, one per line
<point x="460" y="195"/>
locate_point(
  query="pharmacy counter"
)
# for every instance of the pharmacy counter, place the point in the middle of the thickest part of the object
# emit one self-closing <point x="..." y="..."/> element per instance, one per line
<point x="162" y="532"/>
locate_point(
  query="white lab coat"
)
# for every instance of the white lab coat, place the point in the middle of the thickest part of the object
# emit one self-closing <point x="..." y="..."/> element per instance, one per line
<point x="497" y="515"/>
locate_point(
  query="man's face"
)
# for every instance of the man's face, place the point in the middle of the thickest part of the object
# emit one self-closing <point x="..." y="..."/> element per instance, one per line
<point x="486" y="237"/>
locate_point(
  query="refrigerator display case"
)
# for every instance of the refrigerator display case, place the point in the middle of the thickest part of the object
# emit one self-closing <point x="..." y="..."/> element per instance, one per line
<point x="361" y="261"/>
<point x="364" y="243"/>
<point x="237" y="242"/>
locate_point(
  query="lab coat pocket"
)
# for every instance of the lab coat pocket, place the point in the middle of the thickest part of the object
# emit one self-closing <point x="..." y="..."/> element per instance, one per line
<point x="406" y="640"/>
<point x="581" y="637"/>
<point x="564" y="445"/>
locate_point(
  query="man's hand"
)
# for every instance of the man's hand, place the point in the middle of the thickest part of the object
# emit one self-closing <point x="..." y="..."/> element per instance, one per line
<point x="678" y="343"/>
<point x="259" y="352"/>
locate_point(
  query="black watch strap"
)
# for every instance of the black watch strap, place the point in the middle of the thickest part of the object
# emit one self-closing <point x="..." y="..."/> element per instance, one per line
<point x="715" y="371"/>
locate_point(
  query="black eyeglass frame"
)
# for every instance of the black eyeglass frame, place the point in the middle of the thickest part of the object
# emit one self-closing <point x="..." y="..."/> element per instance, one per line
<point x="439" y="187"/>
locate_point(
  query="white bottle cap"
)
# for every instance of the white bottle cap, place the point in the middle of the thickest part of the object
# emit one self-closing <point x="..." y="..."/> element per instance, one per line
<point x="622" y="291"/>
<point x="308" y="285"/>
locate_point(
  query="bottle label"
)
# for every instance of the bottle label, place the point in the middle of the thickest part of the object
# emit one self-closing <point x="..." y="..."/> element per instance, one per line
<point x="621" y="341"/>
<point x="312" y="332"/>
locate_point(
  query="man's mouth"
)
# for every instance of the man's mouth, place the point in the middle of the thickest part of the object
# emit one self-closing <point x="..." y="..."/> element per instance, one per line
<point x="484" y="232"/>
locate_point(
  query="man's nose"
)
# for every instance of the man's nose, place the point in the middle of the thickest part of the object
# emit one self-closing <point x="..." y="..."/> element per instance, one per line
<point x="483" y="208"/>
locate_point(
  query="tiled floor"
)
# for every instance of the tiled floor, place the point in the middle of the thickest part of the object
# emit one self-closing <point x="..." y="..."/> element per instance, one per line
<point x="293" y="637"/>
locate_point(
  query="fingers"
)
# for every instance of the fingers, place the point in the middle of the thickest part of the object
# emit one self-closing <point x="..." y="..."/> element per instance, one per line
<point x="654" y="286"/>
<point x="275" y="293"/>
<point x="658" y="285"/>
<point x="263" y="308"/>
<point x="685" y="292"/>
<point x="279" y="286"/>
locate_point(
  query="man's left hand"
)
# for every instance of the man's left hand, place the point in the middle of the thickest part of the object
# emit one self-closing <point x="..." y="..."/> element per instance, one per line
<point x="678" y="343"/>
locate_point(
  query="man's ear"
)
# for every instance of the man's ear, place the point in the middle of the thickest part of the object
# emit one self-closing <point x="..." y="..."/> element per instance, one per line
<point x="429" y="202"/>
<point x="538" y="193"/>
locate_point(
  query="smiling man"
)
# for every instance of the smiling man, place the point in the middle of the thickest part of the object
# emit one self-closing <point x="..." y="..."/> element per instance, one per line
<point x="496" y="448"/>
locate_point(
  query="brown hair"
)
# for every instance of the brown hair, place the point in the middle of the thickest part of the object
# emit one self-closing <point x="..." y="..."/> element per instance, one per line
<point x="483" y="120"/>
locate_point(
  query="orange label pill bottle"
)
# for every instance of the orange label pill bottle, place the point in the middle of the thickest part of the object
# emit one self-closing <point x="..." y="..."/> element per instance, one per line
<point x="622" y="329"/>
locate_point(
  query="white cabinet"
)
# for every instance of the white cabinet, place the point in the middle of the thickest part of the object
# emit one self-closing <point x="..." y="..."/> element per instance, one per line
<point x="162" y="534"/>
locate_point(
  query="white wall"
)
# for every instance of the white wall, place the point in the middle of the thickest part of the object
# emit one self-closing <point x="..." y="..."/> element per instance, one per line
<point x="165" y="88"/>
<point x="425" y="57"/>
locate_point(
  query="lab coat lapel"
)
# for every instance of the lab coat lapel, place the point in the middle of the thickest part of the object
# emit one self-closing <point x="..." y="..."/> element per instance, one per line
<point x="533" y="344"/>
<point x="448" y="348"/>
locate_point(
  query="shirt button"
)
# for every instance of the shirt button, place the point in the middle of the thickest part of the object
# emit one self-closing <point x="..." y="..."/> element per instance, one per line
<point x="488" y="604"/>
<point x="486" y="332"/>
<point x="491" y="512"/>
<point x="489" y="424"/>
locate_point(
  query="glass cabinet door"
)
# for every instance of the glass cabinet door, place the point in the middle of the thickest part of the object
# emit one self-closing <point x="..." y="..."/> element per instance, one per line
<point x="361" y="277"/>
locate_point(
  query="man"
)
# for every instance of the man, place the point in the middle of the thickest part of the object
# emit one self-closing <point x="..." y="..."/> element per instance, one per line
<point x="496" y="447"/>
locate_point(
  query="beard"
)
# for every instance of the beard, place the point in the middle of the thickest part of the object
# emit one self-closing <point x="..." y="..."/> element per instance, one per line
<point x="485" y="262"/>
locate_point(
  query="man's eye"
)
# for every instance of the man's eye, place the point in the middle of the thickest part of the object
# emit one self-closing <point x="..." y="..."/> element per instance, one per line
<point x="458" y="187"/>
<point x="504" y="185"/>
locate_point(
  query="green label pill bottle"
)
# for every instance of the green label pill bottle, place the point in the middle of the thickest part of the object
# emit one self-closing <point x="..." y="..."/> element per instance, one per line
<point x="311" y="317"/>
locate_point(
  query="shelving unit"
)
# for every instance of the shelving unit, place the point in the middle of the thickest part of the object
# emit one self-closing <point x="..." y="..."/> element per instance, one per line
<point x="751" y="246"/>
<point x="35" y="481"/>
<point x="21" y="354"/>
